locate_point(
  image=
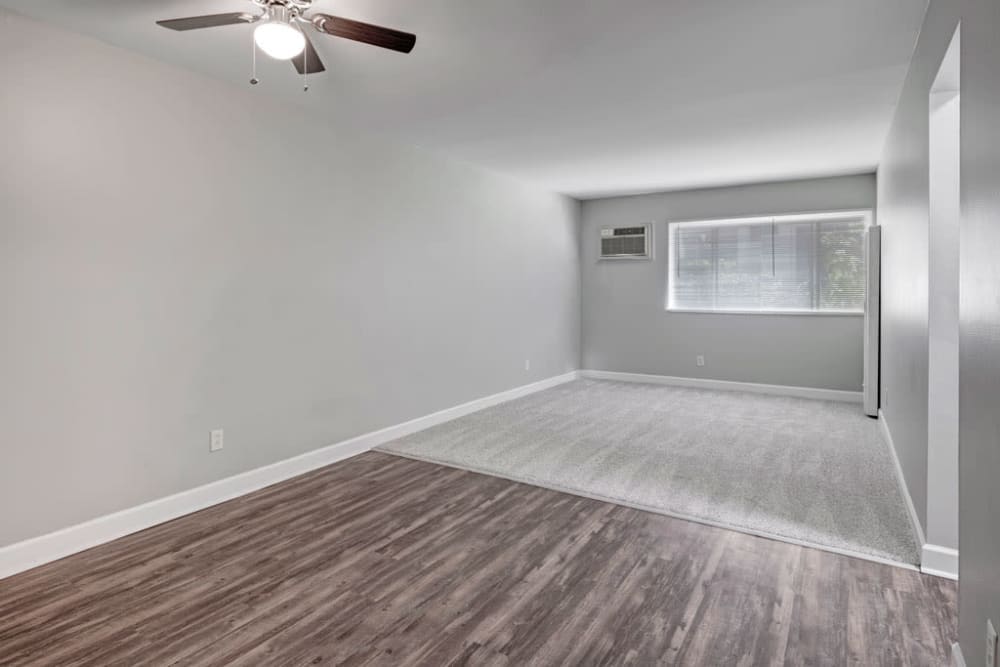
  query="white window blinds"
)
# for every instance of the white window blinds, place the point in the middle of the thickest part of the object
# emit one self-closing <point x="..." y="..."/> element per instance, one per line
<point x="794" y="263"/>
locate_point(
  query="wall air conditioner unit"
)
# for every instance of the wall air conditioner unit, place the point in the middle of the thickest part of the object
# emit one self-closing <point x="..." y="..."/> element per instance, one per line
<point x="627" y="242"/>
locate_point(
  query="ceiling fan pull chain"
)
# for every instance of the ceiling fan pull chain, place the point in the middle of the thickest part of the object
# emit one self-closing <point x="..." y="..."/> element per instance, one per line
<point x="253" y="59"/>
<point x="305" y="63"/>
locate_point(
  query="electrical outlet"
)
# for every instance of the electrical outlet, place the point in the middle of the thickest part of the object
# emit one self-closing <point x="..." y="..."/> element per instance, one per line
<point x="217" y="440"/>
<point x="527" y="364"/>
<point x="991" y="644"/>
<point x="700" y="360"/>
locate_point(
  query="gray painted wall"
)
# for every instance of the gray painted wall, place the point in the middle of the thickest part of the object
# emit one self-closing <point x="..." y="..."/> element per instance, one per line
<point x="172" y="260"/>
<point x="903" y="202"/>
<point x="627" y="328"/>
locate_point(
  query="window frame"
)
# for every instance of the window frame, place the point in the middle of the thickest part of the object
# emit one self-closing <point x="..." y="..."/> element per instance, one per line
<point x="867" y="215"/>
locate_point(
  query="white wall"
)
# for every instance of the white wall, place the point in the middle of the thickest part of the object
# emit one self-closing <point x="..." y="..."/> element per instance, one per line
<point x="177" y="255"/>
<point x="920" y="314"/>
<point x="903" y="210"/>
<point x="627" y="328"/>
<point x="943" y="304"/>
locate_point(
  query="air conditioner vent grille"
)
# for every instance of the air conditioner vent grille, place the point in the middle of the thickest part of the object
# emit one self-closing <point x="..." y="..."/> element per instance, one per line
<point x="624" y="245"/>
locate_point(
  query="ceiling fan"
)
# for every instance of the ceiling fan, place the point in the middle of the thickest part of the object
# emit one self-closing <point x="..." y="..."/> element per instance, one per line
<point x="281" y="35"/>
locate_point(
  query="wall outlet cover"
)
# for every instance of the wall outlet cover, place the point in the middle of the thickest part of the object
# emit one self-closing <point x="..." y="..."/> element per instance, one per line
<point x="217" y="440"/>
<point x="700" y="360"/>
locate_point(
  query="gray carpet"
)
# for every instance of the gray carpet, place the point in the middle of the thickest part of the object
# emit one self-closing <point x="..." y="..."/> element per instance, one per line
<point x="816" y="472"/>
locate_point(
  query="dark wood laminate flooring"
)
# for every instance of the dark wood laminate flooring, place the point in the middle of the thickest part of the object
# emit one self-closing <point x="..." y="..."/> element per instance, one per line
<point x="381" y="560"/>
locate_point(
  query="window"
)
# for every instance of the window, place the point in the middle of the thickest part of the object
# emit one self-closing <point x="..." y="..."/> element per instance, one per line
<point x="810" y="263"/>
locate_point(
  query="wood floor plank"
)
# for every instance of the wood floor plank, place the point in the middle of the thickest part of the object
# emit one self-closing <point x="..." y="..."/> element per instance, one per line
<point x="381" y="560"/>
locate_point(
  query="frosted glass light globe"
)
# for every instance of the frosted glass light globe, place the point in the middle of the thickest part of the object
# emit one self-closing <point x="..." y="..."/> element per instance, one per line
<point x="279" y="40"/>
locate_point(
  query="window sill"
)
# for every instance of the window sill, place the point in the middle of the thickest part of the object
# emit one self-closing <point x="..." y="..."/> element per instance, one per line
<point x="796" y="313"/>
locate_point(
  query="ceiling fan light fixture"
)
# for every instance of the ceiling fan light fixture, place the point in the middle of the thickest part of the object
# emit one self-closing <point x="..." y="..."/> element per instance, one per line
<point x="279" y="40"/>
<point x="280" y="27"/>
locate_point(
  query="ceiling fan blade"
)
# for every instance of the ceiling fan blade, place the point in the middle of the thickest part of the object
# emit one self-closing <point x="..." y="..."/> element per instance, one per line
<point x="387" y="38"/>
<point x="308" y="59"/>
<point x="210" y="21"/>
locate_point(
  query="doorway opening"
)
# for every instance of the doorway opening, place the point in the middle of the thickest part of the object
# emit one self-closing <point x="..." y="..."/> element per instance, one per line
<point x="943" y="314"/>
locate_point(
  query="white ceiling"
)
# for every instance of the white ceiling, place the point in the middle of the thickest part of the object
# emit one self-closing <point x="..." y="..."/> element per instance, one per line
<point x="589" y="98"/>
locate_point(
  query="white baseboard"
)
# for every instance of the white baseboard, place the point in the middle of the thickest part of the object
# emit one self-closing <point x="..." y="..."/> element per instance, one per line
<point x="934" y="559"/>
<point x="53" y="546"/>
<point x="727" y="385"/>
<point x="901" y="479"/>
<point x="956" y="655"/>
<point x="939" y="561"/>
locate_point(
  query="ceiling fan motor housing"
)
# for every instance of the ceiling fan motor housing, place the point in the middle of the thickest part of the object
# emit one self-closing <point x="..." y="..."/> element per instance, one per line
<point x="293" y="8"/>
<point x="281" y="14"/>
